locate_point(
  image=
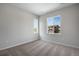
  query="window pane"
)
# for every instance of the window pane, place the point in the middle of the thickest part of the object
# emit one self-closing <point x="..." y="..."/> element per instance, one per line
<point x="57" y="21"/>
<point x="54" y="24"/>
<point x="50" y="21"/>
<point x="35" y="25"/>
<point x="50" y="25"/>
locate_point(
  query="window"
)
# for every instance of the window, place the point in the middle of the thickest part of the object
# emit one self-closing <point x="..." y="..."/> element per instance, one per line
<point x="54" y="24"/>
<point x="35" y="25"/>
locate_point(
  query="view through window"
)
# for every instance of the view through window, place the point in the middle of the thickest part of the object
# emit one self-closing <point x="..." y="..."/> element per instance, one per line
<point x="35" y="25"/>
<point x="54" y="24"/>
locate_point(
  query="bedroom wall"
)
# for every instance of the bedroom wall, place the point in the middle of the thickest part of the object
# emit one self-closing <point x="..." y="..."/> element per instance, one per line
<point x="70" y="27"/>
<point x="16" y="26"/>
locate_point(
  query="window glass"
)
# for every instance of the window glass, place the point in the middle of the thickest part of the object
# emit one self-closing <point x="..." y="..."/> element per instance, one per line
<point x="54" y="24"/>
<point x="35" y="25"/>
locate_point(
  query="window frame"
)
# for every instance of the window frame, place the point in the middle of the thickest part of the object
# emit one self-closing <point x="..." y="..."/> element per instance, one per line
<point x="47" y="24"/>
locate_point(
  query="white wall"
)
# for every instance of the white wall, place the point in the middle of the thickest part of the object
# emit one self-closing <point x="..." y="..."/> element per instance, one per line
<point x="69" y="24"/>
<point x="16" y="26"/>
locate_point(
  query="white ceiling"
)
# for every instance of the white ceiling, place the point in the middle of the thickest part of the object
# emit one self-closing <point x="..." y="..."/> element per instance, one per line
<point x="40" y="8"/>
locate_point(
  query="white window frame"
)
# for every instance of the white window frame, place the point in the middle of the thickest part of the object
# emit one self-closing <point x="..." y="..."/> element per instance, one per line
<point x="47" y="25"/>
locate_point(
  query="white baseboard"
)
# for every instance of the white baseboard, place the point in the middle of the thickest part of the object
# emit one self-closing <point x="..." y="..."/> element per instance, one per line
<point x="69" y="45"/>
<point x="16" y="44"/>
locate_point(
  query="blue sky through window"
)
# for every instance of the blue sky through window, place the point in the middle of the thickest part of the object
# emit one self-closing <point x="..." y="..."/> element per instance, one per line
<point x="50" y="21"/>
<point x="54" y="20"/>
